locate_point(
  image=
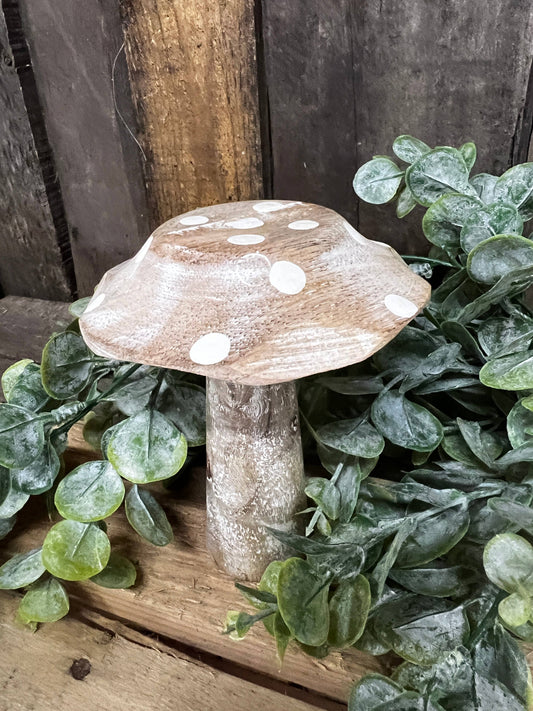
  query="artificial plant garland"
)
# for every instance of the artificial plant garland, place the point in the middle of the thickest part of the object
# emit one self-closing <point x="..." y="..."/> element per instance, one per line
<point x="429" y="557"/>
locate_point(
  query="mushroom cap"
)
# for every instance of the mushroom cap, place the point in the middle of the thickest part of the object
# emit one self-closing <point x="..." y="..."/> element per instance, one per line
<point x="255" y="292"/>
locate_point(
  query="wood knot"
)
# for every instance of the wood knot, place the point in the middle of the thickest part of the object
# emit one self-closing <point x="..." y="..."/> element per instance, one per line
<point x="80" y="668"/>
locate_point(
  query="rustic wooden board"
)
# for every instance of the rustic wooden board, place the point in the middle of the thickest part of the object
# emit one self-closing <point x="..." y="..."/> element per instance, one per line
<point x="73" y="47"/>
<point x="444" y="72"/>
<point x="183" y="597"/>
<point x="31" y="262"/>
<point x="123" y="670"/>
<point x="193" y="72"/>
<point x="27" y="324"/>
<point x="344" y="81"/>
<point x="311" y="101"/>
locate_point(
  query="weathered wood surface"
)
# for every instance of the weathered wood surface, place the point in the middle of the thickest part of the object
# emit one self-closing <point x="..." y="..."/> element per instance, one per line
<point x="183" y="597"/>
<point x="345" y="78"/>
<point x="100" y="663"/>
<point x="255" y="293"/>
<point x="193" y="73"/>
<point x="31" y="263"/>
<point x="309" y="72"/>
<point x="27" y="324"/>
<point x="73" y="47"/>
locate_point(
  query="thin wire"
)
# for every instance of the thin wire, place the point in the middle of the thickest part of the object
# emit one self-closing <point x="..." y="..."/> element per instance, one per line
<point x="121" y="117"/>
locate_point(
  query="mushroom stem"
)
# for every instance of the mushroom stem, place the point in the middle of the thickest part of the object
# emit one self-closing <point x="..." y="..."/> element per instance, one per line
<point x="255" y="475"/>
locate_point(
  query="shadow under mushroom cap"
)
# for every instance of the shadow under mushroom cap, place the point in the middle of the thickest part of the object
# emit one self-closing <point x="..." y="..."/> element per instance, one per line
<point x="256" y="292"/>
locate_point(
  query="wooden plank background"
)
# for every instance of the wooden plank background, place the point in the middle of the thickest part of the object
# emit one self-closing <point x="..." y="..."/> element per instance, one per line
<point x="236" y="99"/>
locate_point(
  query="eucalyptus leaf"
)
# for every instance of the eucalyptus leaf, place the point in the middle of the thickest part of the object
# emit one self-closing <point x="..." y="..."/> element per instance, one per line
<point x="409" y="149"/>
<point x="483" y="184"/>
<point x="75" y="551"/>
<point x="446" y="581"/>
<point x="469" y="152"/>
<point x="119" y="573"/>
<point x="45" y="601"/>
<point x="21" y="436"/>
<point x="508" y="562"/>
<point x="21" y="570"/>
<point x="442" y="170"/>
<point x="444" y="220"/>
<point x="28" y="391"/>
<point x="519" y="425"/>
<point x="13" y="499"/>
<point x="378" y="180"/>
<point x="303" y="602"/>
<point x="67" y="365"/>
<point x="90" y="492"/>
<point x="348" y="611"/>
<point x="147" y="447"/>
<point x="406" y="203"/>
<point x="515" y="610"/>
<point x="484" y="222"/>
<point x="6" y="526"/>
<point x="504" y="335"/>
<point x="185" y="408"/>
<point x="516" y="186"/>
<point x="38" y="476"/>
<point x="512" y="372"/>
<point x="325" y="494"/>
<point x="486" y="446"/>
<point x="493" y="258"/>
<point x="11" y="375"/>
<point x="405" y="423"/>
<point x="78" y="307"/>
<point x="147" y="517"/>
<point x="357" y="437"/>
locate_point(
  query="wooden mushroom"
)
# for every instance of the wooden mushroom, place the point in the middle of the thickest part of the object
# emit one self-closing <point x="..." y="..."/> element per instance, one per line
<point x="253" y="295"/>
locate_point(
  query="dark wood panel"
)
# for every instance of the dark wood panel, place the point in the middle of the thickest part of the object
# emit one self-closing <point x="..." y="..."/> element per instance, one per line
<point x="193" y="73"/>
<point x="445" y="72"/>
<point x="311" y="102"/>
<point x="73" y="46"/>
<point x="27" y="324"/>
<point x="31" y="262"/>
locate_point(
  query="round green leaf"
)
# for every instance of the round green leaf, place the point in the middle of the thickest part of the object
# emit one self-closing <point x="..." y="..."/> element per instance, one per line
<point x="513" y="372"/>
<point x="12" y="499"/>
<point x="469" y="153"/>
<point x="75" y="551"/>
<point x="508" y="561"/>
<point x="348" y="611"/>
<point x="21" y="436"/>
<point x="405" y="423"/>
<point x="304" y="610"/>
<point x="119" y="573"/>
<point x="356" y="437"/>
<point x="409" y="149"/>
<point x="21" y="570"/>
<point x="28" y="391"/>
<point x="39" y="475"/>
<point x="442" y="170"/>
<point x="483" y="184"/>
<point x="519" y="425"/>
<point x="373" y="691"/>
<point x="516" y="186"/>
<point x="147" y="447"/>
<point x="496" y="219"/>
<point x="325" y="494"/>
<point x="147" y="517"/>
<point x="66" y="365"/>
<point x="492" y="259"/>
<point x="515" y="609"/>
<point x="406" y="203"/>
<point x="185" y="408"/>
<point x="443" y="221"/>
<point x="11" y="375"/>
<point x="378" y="180"/>
<point x="78" y="307"/>
<point x="505" y="333"/>
<point x="45" y="601"/>
<point x="91" y="492"/>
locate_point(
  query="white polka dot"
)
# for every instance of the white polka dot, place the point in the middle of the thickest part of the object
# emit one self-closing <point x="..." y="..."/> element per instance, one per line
<point x="141" y="254"/>
<point x="194" y="220"/>
<point x="246" y="223"/>
<point x="210" y="349"/>
<point x="94" y="303"/>
<point x="287" y="277"/>
<point x="303" y="225"/>
<point x="400" y="306"/>
<point x="246" y="239"/>
<point x="270" y="206"/>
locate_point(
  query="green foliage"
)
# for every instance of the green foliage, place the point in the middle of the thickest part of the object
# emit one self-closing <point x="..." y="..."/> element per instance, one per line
<point x="433" y="560"/>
